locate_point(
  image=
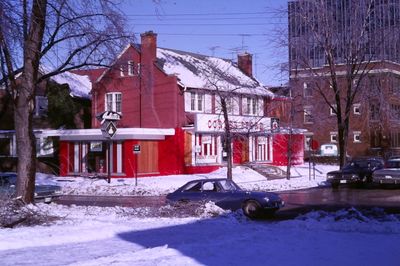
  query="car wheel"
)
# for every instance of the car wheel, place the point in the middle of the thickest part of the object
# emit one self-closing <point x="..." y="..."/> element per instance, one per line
<point x="251" y="209"/>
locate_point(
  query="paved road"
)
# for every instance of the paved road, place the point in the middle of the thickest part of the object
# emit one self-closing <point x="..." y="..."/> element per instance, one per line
<point x="297" y="202"/>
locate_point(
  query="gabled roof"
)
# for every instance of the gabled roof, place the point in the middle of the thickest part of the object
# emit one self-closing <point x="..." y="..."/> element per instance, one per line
<point x="200" y="71"/>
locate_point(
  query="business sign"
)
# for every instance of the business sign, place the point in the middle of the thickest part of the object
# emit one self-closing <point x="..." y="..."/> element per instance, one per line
<point x="108" y="129"/>
<point x="274" y="124"/>
<point x="136" y="149"/>
<point x="216" y="123"/>
<point x="108" y="116"/>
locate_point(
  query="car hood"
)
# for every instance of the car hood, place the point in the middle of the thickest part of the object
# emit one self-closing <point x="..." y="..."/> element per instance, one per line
<point x="388" y="171"/>
<point x="343" y="171"/>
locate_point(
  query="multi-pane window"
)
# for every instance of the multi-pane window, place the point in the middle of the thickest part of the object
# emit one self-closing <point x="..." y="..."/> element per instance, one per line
<point x="374" y="111"/>
<point x="395" y="111"/>
<point x="307" y="90"/>
<point x="395" y="88"/>
<point x="251" y="107"/>
<point x="114" y="102"/>
<point x="308" y="118"/>
<point x="196" y="101"/>
<point x="131" y="68"/>
<point x="395" y="139"/>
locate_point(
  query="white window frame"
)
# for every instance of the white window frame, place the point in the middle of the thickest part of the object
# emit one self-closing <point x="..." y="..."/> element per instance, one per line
<point x="121" y="71"/>
<point x="131" y="68"/>
<point x="357" y="136"/>
<point x="356" y="109"/>
<point x="252" y="106"/>
<point x="333" y="137"/>
<point x="196" y="101"/>
<point x="308" y="113"/>
<point x="331" y="109"/>
<point x="114" y="106"/>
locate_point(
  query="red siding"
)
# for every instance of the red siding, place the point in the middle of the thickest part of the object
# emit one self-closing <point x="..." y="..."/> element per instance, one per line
<point x="64" y="159"/>
<point x="171" y="154"/>
<point x="280" y="148"/>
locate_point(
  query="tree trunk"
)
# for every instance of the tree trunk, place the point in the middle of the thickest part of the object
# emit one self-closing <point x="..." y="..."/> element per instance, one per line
<point x="228" y="139"/>
<point x="26" y="148"/>
<point x="24" y="104"/>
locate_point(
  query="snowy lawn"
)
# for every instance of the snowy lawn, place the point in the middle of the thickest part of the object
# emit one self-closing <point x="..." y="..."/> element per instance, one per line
<point x="245" y="177"/>
<point x="115" y="236"/>
<point x="145" y="236"/>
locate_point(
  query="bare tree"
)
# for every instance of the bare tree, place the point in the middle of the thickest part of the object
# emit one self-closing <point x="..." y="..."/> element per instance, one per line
<point x="228" y="92"/>
<point x="62" y="35"/>
<point x="333" y="43"/>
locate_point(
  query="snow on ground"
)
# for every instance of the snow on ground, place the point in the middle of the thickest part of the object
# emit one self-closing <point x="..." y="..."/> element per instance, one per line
<point x="161" y="185"/>
<point x="107" y="236"/>
<point x="126" y="236"/>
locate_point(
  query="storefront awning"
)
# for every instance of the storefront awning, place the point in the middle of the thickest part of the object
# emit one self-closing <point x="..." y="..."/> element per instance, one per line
<point x="96" y="134"/>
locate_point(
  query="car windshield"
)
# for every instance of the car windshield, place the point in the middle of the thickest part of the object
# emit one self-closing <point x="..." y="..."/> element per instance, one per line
<point x="359" y="164"/>
<point x="393" y="164"/>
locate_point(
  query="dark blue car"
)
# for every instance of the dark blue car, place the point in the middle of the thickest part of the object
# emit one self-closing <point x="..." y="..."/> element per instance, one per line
<point x="44" y="193"/>
<point x="227" y="195"/>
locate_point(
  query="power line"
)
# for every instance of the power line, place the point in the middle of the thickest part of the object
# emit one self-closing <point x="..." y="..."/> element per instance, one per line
<point x="212" y="34"/>
<point x="196" y="19"/>
<point x="202" y="14"/>
<point x="210" y="24"/>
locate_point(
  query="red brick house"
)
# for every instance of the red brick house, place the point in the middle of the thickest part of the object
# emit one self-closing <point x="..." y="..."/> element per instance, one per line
<point x="169" y="101"/>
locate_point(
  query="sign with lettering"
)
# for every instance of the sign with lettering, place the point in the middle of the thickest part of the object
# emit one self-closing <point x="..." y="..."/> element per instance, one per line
<point x="108" y="116"/>
<point x="216" y="123"/>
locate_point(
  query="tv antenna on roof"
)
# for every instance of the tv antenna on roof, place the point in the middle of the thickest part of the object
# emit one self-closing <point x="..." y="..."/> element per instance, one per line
<point x="213" y="48"/>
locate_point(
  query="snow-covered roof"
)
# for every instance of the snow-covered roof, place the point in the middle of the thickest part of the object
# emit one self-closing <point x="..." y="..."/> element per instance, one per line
<point x="200" y="71"/>
<point x="80" y="86"/>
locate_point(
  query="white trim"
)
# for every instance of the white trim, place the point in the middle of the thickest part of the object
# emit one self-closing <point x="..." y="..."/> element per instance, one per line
<point x="357" y="133"/>
<point x="119" y="157"/>
<point x="96" y="134"/>
<point x="76" y="157"/>
<point x="357" y="105"/>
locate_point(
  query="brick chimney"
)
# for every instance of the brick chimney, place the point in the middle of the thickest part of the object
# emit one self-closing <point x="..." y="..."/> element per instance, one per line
<point x="245" y="63"/>
<point x="149" y="45"/>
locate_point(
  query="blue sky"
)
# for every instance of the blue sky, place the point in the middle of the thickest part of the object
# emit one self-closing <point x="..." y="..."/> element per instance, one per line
<point x="217" y="27"/>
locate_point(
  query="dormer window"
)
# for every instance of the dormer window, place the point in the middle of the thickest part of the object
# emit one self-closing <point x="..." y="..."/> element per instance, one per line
<point x="131" y="68"/>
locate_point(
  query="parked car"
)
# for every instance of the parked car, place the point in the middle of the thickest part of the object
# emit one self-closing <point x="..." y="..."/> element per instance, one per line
<point x="390" y="174"/>
<point x="227" y="195"/>
<point x="43" y="192"/>
<point x="356" y="171"/>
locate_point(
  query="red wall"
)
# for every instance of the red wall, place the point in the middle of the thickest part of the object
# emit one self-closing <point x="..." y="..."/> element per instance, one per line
<point x="280" y="149"/>
<point x="171" y="154"/>
<point x="149" y="100"/>
<point x="64" y="159"/>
